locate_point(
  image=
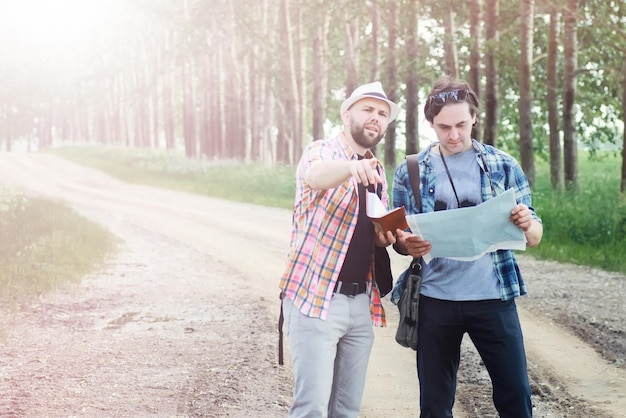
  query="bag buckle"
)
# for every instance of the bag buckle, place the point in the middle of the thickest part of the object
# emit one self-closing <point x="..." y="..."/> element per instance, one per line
<point x="416" y="265"/>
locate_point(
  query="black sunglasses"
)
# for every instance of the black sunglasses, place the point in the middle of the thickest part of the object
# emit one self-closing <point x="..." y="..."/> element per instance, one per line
<point x="443" y="97"/>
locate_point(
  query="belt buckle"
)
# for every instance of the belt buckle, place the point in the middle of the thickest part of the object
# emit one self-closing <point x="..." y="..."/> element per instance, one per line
<point x="349" y="289"/>
<point x="354" y="290"/>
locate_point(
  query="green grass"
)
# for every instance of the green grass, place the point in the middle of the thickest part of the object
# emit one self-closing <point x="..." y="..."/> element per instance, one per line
<point x="586" y="227"/>
<point x="44" y="245"/>
<point x="254" y="183"/>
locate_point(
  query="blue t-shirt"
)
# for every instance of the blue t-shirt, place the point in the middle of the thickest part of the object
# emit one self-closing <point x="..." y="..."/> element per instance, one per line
<point x="448" y="279"/>
<point x="499" y="172"/>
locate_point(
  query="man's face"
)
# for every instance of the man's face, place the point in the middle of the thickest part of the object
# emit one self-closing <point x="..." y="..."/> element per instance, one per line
<point x="368" y="121"/>
<point x="453" y="126"/>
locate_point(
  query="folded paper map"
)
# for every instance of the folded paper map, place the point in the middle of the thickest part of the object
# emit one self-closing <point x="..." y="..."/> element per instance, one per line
<point x="388" y="221"/>
<point x="469" y="233"/>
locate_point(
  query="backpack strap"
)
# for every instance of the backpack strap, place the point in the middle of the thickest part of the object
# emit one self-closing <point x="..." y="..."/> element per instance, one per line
<point x="413" y="167"/>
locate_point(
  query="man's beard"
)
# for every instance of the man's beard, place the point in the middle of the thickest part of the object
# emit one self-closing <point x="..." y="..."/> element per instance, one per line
<point x="365" y="138"/>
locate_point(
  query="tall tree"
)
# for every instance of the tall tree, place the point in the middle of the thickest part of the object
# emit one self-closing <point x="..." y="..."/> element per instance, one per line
<point x="189" y="119"/>
<point x="623" y="179"/>
<point x="320" y="69"/>
<point x="552" y="98"/>
<point x="205" y="106"/>
<point x="290" y="135"/>
<point x="475" y="10"/>
<point x="374" y="41"/>
<point x="451" y="58"/>
<point x="491" y="73"/>
<point x="352" y="36"/>
<point x="391" y="85"/>
<point x="261" y="80"/>
<point x="570" y="56"/>
<point x="300" y="85"/>
<point x="475" y="27"/>
<point x="525" y="90"/>
<point x="246" y="76"/>
<point x="168" y="84"/>
<point x="411" y="77"/>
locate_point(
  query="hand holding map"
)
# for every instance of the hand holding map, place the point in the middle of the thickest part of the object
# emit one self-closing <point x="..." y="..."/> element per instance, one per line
<point x="469" y="233"/>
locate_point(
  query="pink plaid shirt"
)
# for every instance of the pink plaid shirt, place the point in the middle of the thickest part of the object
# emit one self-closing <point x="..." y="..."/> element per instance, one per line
<point x="323" y="223"/>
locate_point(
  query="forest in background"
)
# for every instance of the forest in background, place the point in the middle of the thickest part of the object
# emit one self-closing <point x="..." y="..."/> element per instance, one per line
<point x="258" y="80"/>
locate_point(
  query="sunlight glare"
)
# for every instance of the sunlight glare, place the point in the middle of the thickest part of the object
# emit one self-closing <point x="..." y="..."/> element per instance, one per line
<point x="42" y="31"/>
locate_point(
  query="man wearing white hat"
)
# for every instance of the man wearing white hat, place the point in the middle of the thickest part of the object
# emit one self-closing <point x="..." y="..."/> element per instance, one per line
<point x="330" y="296"/>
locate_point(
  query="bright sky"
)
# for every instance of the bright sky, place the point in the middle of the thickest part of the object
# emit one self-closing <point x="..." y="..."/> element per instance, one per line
<point x="53" y="32"/>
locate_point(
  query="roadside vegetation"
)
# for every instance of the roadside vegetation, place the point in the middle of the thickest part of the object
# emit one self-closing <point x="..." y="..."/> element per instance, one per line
<point x="586" y="227"/>
<point x="44" y="245"/>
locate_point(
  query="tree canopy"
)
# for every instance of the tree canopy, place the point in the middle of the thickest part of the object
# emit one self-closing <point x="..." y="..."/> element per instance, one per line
<point x="257" y="81"/>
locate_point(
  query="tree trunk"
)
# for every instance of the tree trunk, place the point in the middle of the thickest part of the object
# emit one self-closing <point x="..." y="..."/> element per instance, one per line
<point x="552" y="99"/>
<point x="300" y="87"/>
<point x="189" y="121"/>
<point x="374" y="52"/>
<point x="255" y="83"/>
<point x="475" y="7"/>
<point x="391" y="87"/>
<point x="268" y="139"/>
<point x="168" y="82"/>
<point x="289" y="139"/>
<point x="320" y="75"/>
<point x="115" y="97"/>
<point x="253" y="80"/>
<point x="45" y="125"/>
<point x="204" y="111"/>
<point x="236" y="94"/>
<point x="623" y="180"/>
<point x="81" y="114"/>
<point x="491" y="73"/>
<point x="451" y="57"/>
<point x="154" y="89"/>
<point x="352" y="58"/>
<point x="411" y="81"/>
<point x="570" y="51"/>
<point x="168" y="110"/>
<point x="141" y="83"/>
<point x="525" y="90"/>
<point x="218" y="142"/>
<point x="7" y="128"/>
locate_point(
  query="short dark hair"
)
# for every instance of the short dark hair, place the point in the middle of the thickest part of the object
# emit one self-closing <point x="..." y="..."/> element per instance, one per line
<point x="445" y="84"/>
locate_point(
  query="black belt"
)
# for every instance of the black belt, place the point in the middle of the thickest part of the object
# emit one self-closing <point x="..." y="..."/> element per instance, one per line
<point x="350" y="289"/>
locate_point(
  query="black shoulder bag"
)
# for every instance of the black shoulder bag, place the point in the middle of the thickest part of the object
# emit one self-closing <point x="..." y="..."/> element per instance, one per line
<point x="408" y="306"/>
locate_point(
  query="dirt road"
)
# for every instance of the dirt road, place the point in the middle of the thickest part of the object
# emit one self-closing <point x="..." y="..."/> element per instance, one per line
<point x="181" y="323"/>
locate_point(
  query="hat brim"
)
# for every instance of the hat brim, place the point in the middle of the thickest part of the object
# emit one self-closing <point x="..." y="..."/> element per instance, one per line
<point x="394" y="109"/>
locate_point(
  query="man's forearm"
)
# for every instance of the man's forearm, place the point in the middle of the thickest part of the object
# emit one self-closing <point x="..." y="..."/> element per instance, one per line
<point x="534" y="233"/>
<point x="325" y="175"/>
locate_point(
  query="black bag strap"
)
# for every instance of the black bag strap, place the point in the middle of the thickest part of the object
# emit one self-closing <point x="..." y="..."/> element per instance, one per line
<point x="413" y="167"/>
<point x="281" y="320"/>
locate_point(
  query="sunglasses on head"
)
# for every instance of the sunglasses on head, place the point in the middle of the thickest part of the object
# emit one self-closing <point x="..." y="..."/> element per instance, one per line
<point x="453" y="95"/>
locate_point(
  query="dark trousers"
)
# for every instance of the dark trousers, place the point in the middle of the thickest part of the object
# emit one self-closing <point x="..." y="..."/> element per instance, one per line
<point x="494" y="328"/>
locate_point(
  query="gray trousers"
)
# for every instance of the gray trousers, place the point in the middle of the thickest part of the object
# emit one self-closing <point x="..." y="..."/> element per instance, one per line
<point x="330" y="357"/>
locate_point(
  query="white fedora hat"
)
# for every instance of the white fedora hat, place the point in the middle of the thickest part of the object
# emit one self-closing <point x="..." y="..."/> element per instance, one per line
<point x="375" y="91"/>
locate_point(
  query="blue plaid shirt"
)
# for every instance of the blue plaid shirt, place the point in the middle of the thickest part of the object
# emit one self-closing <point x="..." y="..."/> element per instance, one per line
<point x="503" y="173"/>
